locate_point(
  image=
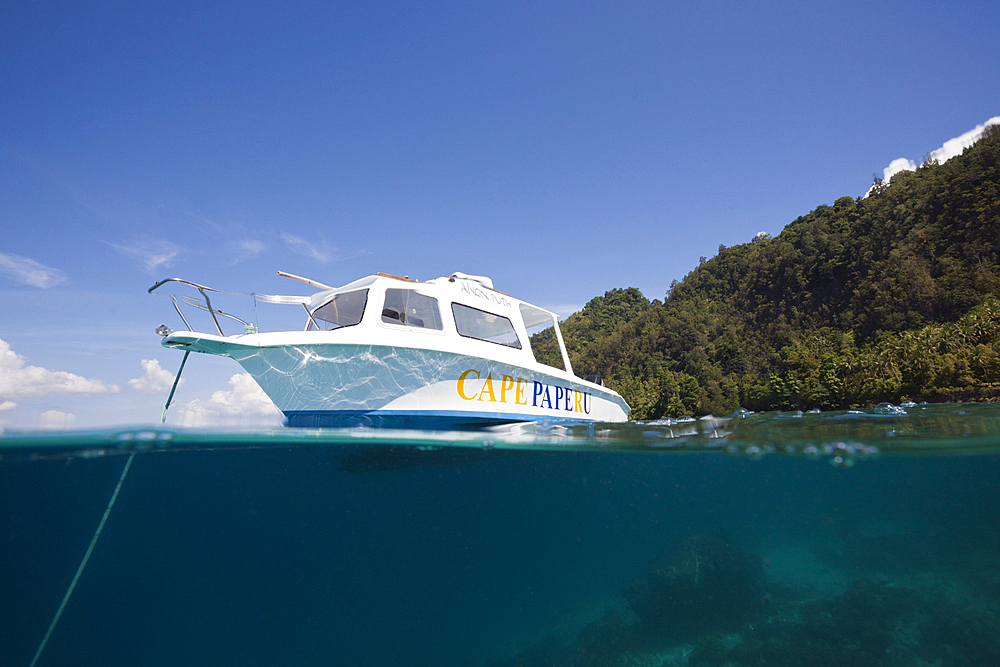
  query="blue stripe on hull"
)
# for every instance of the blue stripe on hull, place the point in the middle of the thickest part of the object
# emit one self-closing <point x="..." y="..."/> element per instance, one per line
<point x="406" y="420"/>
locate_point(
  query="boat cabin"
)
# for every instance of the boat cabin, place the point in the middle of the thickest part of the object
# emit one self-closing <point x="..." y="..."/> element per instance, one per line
<point x="458" y="305"/>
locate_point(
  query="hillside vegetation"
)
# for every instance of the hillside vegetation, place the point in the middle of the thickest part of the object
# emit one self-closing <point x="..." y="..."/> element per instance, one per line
<point x="890" y="297"/>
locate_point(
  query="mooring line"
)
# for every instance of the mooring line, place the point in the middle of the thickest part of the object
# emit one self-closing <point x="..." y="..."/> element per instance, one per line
<point x="83" y="563"/>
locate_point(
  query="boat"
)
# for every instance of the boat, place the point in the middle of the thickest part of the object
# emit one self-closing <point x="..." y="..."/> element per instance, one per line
<point x="389" y="351"/>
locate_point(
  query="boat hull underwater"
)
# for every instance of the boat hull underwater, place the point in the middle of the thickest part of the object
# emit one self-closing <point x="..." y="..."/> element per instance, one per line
<point x="381" y="374"/>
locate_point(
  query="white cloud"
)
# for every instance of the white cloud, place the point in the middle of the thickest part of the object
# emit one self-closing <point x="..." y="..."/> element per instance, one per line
<point x="948" y="150"/>
<point x="898" y="165"/>
<point x="54" y="420"/>
<point x="19" y="381"/>
<point x="29" y="272"/>
<point x="7" y="405"/>
<point x="150" y="253"/>
<point x="245" y="404"/>
<point x="155" y="380"/>
<point x="955" y="146"/>
<point x="321" y="251"/>
<point x="241" y="251"/>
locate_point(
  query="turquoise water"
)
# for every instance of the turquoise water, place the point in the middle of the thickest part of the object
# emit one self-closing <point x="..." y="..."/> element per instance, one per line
<point x="868" y="538"/>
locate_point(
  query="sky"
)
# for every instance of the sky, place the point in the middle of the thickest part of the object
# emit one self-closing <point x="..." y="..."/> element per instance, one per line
<point x="561" y="148"/>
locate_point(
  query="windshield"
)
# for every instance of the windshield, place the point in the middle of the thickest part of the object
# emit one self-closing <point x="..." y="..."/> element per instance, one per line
<point x="343" y="310"/>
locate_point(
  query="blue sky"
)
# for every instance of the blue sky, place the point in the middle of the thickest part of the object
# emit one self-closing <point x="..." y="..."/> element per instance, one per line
<point x="563" y="149"/>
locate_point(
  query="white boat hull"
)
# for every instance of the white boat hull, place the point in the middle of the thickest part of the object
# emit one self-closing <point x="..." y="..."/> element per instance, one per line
<point x="341" y="384"/>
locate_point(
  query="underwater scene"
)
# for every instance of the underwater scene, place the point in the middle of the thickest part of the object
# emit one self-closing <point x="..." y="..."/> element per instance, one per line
<point x="842" y="539"/>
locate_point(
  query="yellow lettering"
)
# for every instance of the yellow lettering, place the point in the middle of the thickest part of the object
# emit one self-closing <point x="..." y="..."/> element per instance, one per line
<point x="506" y="383"/>
<point x="488" y="387"/>
<point x="577" y="397"/>
<point x="461" y="383"/>
<point x="519" y="394"/>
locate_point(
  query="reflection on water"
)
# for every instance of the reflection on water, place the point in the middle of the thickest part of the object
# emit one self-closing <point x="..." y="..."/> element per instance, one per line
<point x="712" y="542"/>
<point x="843" y="438"/>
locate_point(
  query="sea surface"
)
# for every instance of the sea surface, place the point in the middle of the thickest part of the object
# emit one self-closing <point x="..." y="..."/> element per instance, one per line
<point x="842" y="538"/>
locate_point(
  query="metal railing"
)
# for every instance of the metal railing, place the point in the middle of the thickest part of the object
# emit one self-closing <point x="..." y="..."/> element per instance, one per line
<point x="248" y="327"/>
<point x="194" y="303"/>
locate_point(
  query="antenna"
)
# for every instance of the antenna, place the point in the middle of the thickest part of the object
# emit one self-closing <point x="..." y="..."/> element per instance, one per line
<point x="307" y="281"/>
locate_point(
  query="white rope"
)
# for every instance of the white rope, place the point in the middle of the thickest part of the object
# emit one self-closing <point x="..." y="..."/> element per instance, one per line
<point x="83" y="563"/>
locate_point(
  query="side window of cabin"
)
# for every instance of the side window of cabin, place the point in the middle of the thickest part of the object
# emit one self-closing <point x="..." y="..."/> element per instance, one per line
<point x="478" y="324"/>
<point x="542" y="341"/>
<point x="408" y="308"/>
<point x="343" y="310"/>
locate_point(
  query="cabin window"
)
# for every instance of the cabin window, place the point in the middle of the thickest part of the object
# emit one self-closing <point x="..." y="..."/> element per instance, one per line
<point x="408" y="308"/>
<point x="478" y="324"/>
<point x="343" y="310"/>
<point x="542" y="341"/>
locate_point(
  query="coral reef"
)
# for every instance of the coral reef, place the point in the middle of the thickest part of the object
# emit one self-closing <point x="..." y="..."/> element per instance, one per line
<point x="712" y="606"/>
<point x="710" y="585"/>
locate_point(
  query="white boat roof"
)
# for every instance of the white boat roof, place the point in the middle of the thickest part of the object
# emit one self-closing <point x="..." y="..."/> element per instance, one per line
<point x="532" y="314"/>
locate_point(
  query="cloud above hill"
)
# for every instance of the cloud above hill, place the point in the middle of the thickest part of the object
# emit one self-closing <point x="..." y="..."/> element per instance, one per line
<point x="948" y="150"/>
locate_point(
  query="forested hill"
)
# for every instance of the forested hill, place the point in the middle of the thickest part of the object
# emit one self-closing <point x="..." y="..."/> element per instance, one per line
<point x="890" y="297"/>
